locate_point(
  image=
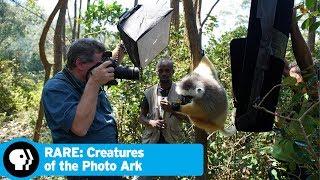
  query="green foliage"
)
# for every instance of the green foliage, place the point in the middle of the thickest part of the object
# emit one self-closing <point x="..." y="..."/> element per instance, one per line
<point x="19" y="35"/>
<point x="297" y="141"/>
<point x="211" y="24"/>
<point x="10" y="24"/>
<point x="99" y="18"/>
<point x="17" y="92"/>
<point x="308" y="13"/>
<point x="310" y="3"/>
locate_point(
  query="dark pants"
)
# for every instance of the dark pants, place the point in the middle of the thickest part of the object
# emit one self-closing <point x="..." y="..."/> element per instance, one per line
<point x="161" y="139"/>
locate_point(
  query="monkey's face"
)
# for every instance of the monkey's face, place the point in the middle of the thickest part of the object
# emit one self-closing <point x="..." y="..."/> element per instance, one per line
<point x="191" y="86"/>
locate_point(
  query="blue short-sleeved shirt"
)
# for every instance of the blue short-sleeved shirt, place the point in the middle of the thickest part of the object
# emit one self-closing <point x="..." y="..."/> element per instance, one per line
<point x="60" y="99"/>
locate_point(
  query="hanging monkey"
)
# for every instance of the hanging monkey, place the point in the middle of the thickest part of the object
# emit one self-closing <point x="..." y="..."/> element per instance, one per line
<point x="208" y="107"/>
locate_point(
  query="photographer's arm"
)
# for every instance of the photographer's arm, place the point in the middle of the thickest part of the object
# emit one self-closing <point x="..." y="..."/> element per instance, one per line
<point x="86" y="108"/>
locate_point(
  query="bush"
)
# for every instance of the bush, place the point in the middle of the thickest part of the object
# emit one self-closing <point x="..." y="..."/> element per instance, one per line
<point x="297" y="140"/>
<point x="17" y="91"/>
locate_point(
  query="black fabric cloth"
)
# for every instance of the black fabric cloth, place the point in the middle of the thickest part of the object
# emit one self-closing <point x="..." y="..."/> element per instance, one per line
<point x="256" y="67"/>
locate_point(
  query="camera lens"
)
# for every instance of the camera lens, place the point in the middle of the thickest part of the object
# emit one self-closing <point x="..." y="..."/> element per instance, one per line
<point x="130" y="73"/>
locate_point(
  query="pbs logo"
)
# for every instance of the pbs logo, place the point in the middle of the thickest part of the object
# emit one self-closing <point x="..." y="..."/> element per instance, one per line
<point x="21" y="159"/>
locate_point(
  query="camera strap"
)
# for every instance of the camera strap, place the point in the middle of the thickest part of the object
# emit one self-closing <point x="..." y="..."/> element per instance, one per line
<point x="71" y="80"/>
<point x="89" y="71"/>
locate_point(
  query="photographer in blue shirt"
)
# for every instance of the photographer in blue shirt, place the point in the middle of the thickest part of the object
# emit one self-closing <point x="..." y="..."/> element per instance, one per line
<point x="76" y="106"/>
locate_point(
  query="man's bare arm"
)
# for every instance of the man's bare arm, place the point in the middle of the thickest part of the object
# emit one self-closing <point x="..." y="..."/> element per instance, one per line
<point x="300" y="48"/>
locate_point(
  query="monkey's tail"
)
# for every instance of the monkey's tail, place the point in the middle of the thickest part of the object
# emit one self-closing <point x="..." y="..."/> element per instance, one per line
<point x="229" y="131"/>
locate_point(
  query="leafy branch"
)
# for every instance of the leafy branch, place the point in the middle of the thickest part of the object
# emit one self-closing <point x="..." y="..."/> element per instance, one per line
<point x="309" y="148"/>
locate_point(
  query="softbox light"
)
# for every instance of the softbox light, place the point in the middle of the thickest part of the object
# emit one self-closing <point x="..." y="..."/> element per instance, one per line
<point x="145" y="32"/>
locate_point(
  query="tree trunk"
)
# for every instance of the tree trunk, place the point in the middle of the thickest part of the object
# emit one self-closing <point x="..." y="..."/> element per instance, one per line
<point x="74" y="21"/>
<point x="58" y="40"/>
<point x="175" y="20"/>
<point x="195" y="48"/>
<point x="197" y="6"/>
<point x="69" y="18"/>
<point x="46" y="65"/>
<point x="79" y="17"/>
<point x="192" y="31"/>
<point x="201" y="138"/>
<point x="88" y="4"/>
<point x="312" y="33"/>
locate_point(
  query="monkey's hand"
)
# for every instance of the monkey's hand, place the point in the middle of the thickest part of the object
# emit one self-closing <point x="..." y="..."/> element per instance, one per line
<point x="173" y="109"/>
<point x="176" y="106"/>
<point x="157" y="123"/>
<point x="166" y="106"/>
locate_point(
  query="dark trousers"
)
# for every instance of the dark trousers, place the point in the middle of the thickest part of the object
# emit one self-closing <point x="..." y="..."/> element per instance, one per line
<point x="162" y="140"/>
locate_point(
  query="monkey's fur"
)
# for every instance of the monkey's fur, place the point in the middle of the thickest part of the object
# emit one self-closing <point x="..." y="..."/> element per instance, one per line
<point x="208" y="108"/>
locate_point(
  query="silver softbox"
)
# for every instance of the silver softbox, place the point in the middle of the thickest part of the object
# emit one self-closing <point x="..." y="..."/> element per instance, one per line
<point x="145" y="32"/>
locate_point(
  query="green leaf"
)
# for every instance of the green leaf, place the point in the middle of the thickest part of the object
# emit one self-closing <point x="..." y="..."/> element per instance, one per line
<point x="300" y="154"/>
<point x="310" y="124"/>
<point x="305" y="24"/>
<point x="283" y="150"/>
<point x="254" y="161"/>
<point x="314" y="26"/>
<point x="299" y="17"/>
<point x="289" y="81"/>
<point x="297" y="98"/>
<point x="294" y="130"/>
<point x="310" y="4"/>
<point x="299" y="88"/>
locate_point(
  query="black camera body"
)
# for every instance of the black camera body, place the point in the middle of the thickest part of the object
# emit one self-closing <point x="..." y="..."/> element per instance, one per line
<point x="120" y="72"/>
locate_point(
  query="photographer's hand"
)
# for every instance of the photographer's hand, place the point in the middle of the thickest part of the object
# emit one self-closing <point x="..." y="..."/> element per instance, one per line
<point x="86" y="108"/>
<point x="102" y="74"/>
